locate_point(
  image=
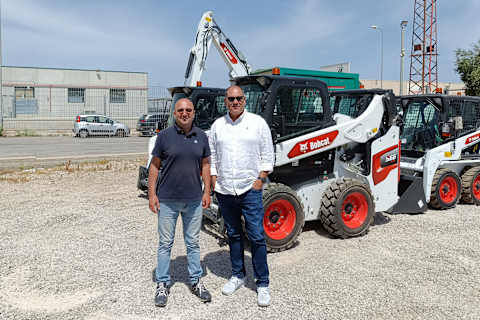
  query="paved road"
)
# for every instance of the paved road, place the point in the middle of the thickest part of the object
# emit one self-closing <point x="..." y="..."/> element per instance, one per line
<point x="32" y="151"/>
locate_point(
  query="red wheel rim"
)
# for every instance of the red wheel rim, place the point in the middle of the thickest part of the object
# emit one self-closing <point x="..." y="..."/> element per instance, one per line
<point x="279" y="219"/>
<point x="448" y="190"/>
<point x="476" y="187"/>
<point x="354" y="210"/>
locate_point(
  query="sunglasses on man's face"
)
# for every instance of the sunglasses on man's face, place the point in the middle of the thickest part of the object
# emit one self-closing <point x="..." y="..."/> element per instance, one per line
<point x="188" y="110"/>
<point x="239" y="99"/>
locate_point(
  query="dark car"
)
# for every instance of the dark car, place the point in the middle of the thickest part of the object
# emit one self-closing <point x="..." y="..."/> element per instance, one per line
<point x="148" y="122"/>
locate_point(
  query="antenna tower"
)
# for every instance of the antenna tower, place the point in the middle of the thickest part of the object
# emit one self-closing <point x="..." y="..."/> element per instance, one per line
<point x="423" y="58"/>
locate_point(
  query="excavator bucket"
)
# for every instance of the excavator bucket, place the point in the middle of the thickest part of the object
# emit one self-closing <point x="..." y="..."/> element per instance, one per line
<point x="412" y="197"/>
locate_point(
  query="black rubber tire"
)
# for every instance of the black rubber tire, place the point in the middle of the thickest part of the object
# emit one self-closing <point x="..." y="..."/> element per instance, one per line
<point x="275" y="192"/>
<point x="436" y="201"/>
<point x="121" y="133"/>
<point x="331" y="208"/>
<point x="83" y="134"/>
<point x="468" y="187"/>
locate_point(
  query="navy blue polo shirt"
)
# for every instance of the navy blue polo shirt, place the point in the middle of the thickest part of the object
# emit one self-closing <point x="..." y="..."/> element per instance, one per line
<point x="181" y="155"/>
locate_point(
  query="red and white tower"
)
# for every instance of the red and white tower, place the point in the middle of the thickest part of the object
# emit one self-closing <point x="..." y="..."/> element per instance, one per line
<point x="423" y="58"/>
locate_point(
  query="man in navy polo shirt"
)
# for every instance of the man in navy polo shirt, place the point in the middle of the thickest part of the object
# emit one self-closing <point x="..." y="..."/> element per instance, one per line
<point x="184" y="153"/>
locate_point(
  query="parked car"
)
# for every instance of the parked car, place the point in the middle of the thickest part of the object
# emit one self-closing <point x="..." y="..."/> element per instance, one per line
<point x="98" y="125"/>
<point x="147" y="123"/>
<point x="142" y="182"/>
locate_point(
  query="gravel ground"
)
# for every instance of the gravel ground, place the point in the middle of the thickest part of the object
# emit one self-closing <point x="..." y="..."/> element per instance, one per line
<point x="80" y="243"/>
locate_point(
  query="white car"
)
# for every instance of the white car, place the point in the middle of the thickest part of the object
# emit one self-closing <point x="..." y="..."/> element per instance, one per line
<point x="98" y="125"/>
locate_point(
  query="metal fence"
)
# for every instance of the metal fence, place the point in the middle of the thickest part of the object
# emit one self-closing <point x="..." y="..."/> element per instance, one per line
<point x="50" y="109"/>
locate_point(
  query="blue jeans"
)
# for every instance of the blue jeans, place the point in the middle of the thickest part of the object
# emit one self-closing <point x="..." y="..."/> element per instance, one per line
<point x="249" y="205"/>
<point x="167" y="221"/>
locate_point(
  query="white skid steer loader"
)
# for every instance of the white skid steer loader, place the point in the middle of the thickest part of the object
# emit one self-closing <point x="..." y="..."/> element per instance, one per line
<point x="335" y="168"/>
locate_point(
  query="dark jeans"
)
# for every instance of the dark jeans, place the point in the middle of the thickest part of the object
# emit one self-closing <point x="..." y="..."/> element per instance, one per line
<point x="250" y="206"/>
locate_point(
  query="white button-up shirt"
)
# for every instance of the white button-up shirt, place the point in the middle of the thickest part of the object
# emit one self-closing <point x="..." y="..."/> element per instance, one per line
<point x="240" y="150"/>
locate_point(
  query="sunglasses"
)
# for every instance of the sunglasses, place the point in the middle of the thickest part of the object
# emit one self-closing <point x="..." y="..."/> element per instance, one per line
<point x="239" y="99"/>
<point x="186" y="110"/>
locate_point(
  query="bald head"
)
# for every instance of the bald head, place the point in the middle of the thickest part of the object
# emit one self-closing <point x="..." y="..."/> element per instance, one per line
<point x="235" y="101"/>
<point x="183" y="102"/>
<point x="234" y="89"/>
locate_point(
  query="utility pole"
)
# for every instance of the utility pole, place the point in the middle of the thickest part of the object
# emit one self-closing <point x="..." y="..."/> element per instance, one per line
<point x="403" y="25"/>
<point x="381" y="53"/>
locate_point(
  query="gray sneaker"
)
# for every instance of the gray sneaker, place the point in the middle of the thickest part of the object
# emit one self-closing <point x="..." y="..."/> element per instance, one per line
<point x="232" y="285"/>
<point x="161" y="294"/>
<point x="263" y="296"/>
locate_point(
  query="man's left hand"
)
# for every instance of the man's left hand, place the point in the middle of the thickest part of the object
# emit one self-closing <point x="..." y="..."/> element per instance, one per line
<point x="206" y="200"/>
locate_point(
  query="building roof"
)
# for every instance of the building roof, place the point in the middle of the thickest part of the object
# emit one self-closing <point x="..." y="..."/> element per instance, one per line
<point x="97" y="70"/>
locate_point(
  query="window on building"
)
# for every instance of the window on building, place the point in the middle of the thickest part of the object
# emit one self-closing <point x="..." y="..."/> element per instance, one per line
<point x="117" y="96"/>
<point x="24" y="92"/>
<point x="25" y="102"/>
<point x="76" y="95"/>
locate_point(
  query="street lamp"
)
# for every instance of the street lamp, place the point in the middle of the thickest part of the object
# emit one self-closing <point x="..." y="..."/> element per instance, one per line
<point x="381" y="59"/>
<point x="403" y="25"/>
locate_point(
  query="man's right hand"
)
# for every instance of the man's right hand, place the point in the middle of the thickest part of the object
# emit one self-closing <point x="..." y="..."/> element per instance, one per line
<point x="153" y="203"/>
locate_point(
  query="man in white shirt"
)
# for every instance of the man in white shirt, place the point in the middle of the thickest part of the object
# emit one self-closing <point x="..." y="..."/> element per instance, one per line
<point x="241" y="158"/>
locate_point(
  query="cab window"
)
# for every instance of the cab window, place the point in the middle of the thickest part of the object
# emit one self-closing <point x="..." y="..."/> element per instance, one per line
<point x="296" y="111"/>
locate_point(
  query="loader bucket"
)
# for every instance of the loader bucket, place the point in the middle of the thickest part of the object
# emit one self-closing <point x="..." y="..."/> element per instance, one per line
<point x="412" y="196"/>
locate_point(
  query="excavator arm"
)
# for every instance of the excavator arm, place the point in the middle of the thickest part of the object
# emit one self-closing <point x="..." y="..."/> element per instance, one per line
<point x="209" y="31"/>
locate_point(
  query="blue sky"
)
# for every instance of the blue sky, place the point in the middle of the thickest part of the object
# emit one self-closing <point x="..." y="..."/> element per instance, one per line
<point x="155" y="36"/>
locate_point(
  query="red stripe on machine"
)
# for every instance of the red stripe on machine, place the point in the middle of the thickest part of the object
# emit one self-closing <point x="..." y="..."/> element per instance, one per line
<point x="228" y="53"/>
<point x="472" y="138"/>
<point x="313" y="144"/>
<point x="384" y="162"/>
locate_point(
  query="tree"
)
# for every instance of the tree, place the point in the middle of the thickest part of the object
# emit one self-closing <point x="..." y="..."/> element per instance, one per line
<point x="468" y="67"/>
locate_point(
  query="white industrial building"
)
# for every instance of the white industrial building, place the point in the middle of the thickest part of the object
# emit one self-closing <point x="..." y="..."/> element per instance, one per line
<point x="451" y="88"/>
<point x="50" y="98"/>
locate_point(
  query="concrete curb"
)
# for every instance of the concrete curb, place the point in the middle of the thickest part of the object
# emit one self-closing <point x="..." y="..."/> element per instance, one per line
<point x="37" y="162"/>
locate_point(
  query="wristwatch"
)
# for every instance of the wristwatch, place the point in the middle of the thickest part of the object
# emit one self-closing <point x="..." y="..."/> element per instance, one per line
<point x="262" y="179"/>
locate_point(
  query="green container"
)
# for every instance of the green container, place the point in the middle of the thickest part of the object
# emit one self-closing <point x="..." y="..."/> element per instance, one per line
<point x="334" y="80"/>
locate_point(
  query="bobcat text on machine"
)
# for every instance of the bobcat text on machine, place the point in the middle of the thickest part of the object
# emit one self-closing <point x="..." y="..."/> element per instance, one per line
<point x="334" y="168"/>
<point x="440" y="156"/>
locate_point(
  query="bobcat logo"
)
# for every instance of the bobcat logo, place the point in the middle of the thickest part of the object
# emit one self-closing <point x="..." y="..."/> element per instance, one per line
<point x="304" y="147"/>
<point x="391" y="158"/>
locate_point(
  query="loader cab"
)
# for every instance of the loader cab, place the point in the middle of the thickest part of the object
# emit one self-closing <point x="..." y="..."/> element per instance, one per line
<point x="431" y="120"/>
<point x="208" y="102"/>
<point x="421" y="118"/>
<point x="290" y="106"/>
<point x="354" y="102"/>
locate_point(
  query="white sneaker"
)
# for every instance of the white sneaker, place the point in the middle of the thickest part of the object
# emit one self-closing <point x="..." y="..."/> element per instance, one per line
<point x="232" y="285"/>
<point x="263" y="296"/>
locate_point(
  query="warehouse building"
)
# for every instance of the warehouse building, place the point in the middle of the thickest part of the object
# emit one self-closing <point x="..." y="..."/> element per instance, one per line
<point x="451" y="88"/>
<point x="50" y="98"/>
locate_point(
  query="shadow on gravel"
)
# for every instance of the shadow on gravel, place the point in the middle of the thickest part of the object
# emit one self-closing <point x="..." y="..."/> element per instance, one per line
<point x="179" y="271"/>
<point x="218" y="263"/>
<point x="316" y="226"/>
<point x="380" y="219"/>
